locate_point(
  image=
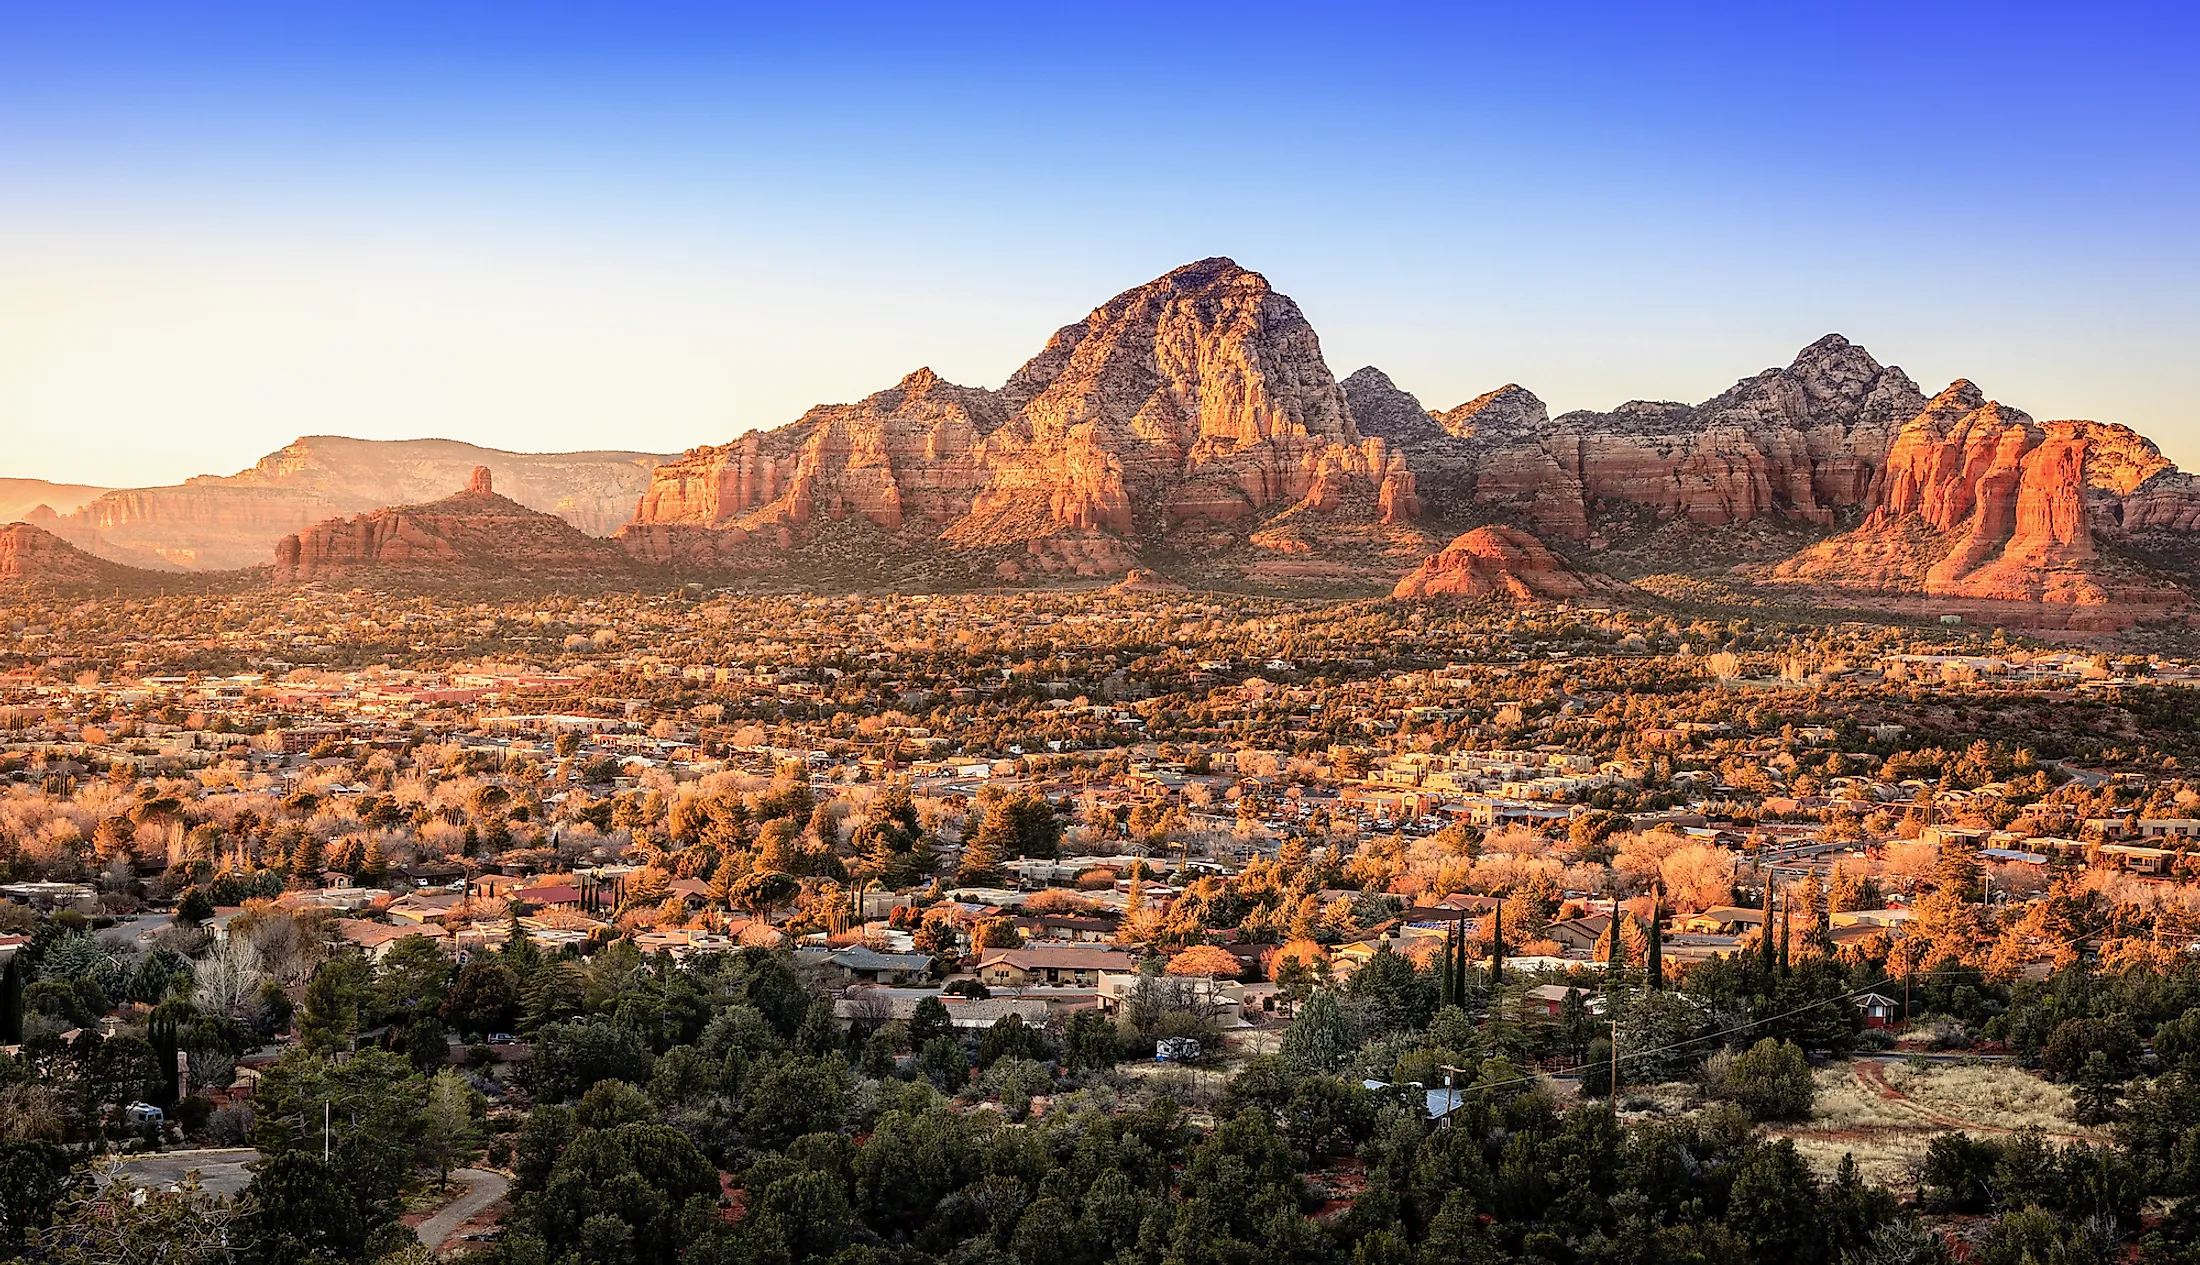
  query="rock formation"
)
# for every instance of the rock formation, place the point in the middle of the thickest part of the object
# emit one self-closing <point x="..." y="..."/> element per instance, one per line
<point x="1193" y="411"/>
<point x="216" y="521"/>
<point x="20" y="498"/>
<point x="474" y="539"/>
<point x="35" y="559"/>
<point x="1500" y="562"/>
<point x="1796" y="446"/>
<point x="1978" y="501"/>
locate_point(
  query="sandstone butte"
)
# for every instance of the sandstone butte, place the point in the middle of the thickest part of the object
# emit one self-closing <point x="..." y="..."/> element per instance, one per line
<point x="1505" y="563"/>
<point x="1977" y="501"/>
<point x="472" y="539"/>
<point x="216" y="521"/>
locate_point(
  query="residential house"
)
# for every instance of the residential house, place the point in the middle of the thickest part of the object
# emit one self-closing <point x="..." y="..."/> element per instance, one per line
<point x="1078" y="965"/>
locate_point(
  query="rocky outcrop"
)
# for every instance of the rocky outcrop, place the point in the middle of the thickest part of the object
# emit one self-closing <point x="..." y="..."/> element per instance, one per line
<point x="215" y="521"/>
<point x="1978" y="501"/>
<point x="1194" y="410"/>
<point x="1797" y="446"/>
<point x="20" y="497"/>
<point x="904" y="461"/>
<point x="1500" y="562"/>
<point x="473" y="540"/>
<point x="36" y="560"/>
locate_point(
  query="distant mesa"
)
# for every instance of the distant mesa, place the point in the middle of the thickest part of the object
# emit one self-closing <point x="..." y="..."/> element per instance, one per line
<point x="212" y="522"/>
<point x="474" y="539"/>
<point x="20" y="498"/>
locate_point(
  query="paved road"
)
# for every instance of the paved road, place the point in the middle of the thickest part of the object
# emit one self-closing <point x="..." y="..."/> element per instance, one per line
<point x="220" y="1172"/>
<point x="483" y="1188"/>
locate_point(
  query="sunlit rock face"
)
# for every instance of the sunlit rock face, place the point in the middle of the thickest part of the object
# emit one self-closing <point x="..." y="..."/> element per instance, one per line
<point x="1199" y="401"/>
<point x="1794" y="445"/>
<point x="1976" y="500"/>
<point x="473" y="539"/>
<point x="1499" y="562"/>
<point x="32" y="558"/>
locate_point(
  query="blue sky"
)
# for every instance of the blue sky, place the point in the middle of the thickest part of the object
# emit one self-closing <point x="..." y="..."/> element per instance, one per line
<point x="652" y="227"/>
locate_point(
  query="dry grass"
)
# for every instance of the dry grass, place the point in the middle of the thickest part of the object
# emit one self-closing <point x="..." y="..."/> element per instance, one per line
<point x="1888" y="1136"/>
<point x="1994" y="1095"/>
<point x="1890" y="1160"/>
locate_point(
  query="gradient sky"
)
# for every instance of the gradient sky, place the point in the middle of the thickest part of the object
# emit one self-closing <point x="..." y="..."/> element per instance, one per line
<point x="648" y="227"/>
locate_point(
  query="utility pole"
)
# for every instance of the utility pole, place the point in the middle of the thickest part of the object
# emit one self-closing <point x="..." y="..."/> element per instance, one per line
<point x="324" y="1130"/>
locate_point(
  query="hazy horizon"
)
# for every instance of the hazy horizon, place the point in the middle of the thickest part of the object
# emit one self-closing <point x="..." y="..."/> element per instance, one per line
<point x="649" y="230"/>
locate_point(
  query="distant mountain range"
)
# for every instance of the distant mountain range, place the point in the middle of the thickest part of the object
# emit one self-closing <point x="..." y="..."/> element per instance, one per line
<point x="1191" y="428"/>
<point x="213" y="522"/>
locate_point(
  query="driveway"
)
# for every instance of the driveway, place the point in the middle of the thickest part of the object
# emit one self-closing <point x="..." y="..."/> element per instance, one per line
<point x="221" y="1172"/>
<point x="483" y="1190"/>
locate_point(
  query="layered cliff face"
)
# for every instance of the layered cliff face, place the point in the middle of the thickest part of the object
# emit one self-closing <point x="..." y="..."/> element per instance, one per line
<point x="1500" y="562"/>
<point x="35" y="559"/>
<point x="1978" y="501"/>
<point x="903" y="461"/>
<point x="1793" y="446"/>
<point x="1194" y="410"/>
<point x="216" y="521"/>
<point x="475" y="539"/>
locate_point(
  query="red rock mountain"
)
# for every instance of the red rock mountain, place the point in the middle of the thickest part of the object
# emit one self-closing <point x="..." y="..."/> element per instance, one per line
<point x="32" y="558"/>
<point x="1796" y="446"/>
<point x="216" y="521"/>
<point x="475" y="539"/>
<point x="1501" y="562"/>
<point x="1978" y="501"/>
<point x="1193" y="412"/>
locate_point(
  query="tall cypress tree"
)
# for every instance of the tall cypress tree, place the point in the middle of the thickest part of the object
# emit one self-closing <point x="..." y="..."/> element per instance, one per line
<point x="1497" y="946"/>
<point x="1443" y="984"/>
<point x="1770" y="961"/>
<point x="1654" y="957"/>
<point x="11" y="1000"/>
<point x="1785" y="914"/>
<point x="1459" y="964"/>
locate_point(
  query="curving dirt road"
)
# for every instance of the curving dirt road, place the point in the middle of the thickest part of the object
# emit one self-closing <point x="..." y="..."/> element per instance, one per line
<point x="483" y="1190"/>
<point x="1872" y="1075"/>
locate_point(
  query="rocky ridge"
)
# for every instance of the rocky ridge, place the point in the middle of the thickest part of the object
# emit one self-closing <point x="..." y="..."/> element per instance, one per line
<point x="474" y="539"/>
<point x="1797" y="445"/>
<point x="217" y="521"/>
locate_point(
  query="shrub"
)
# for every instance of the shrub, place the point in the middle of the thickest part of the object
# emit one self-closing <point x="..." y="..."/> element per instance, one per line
<point x="1770" y="1081"/>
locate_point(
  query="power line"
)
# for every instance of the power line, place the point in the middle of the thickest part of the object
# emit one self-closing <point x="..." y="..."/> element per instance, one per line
<point x="1752" y="1023"/>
